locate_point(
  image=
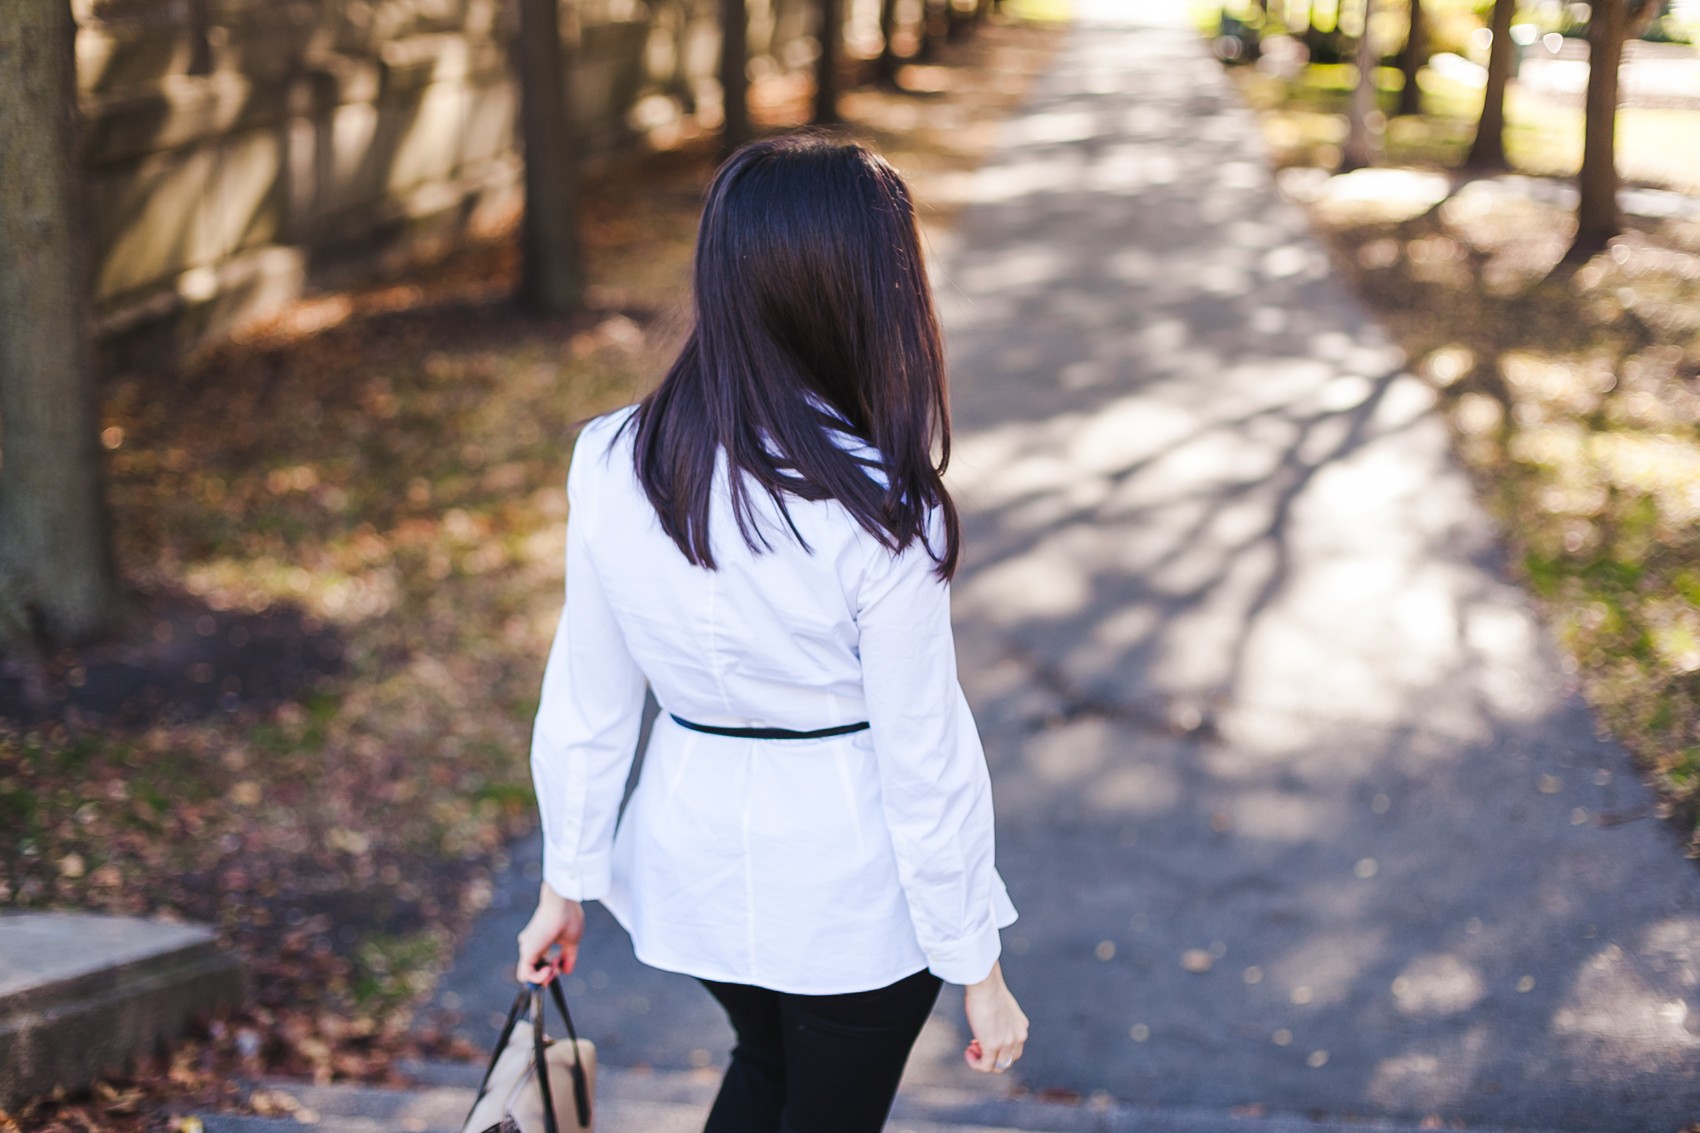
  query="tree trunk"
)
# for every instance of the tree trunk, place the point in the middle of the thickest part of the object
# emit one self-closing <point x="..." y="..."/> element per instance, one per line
<point x="1411" y="60"/>
<point x="1487" y="153"/>
<point x="1597" y="215"/>
<point x="734" y="80"/>
<point x="888" y="60"/>
<point x="552" y="278"/>
<point x="826" y="64"/>
<point x="935" y="28"/>
<point x="58" y="582"/>
<point x="960" y="24"/>
<point x="1360" y="148"/>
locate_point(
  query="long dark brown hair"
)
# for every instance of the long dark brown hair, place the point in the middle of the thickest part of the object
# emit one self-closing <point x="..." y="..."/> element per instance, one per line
<point x="812" y="314"/>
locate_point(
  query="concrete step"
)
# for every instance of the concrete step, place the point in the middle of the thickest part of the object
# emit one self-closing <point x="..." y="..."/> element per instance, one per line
<point x="630" y="1101"/>
<point x="83" y="995"/>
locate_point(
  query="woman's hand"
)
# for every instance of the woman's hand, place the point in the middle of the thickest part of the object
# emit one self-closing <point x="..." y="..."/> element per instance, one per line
<point x="556" y="921"/>
<point x="1000" y="1029"/>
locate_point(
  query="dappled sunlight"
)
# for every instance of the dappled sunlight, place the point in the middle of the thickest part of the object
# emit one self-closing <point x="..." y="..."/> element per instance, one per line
<point x="1110" y="764"/>
<point x="1570" y="393"/>
<point x="1242" y="641"/>
<point x="1136" y="789"/>
<point x="1367" y="195"/>
<point x="1321" y="972"/>
<point x="1045" y="582"/>
<point x="1195" y="494"/>
<point x="1664" y="468"/>
<point x="222" y="194"/>
<point x="1070" y="753"/>
<point x="1015" y="268"/>
<point x="1613" y="1007"/>
<point x="941" y="119"/>
<point x="1439" y="984"/>
<point x="1279" y="816"/>
<point x="1433" y="1079"/>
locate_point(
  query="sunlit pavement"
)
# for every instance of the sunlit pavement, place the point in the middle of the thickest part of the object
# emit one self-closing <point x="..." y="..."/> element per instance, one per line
<point x="1296" y="806"/>
<point x="1253" y="677"/>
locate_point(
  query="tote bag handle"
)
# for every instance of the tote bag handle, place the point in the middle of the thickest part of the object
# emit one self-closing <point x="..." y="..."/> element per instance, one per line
<point x="501" y="1044"/>
<point x="540" y="1065"/>
<point x="532" y="994"/>
<point x="581" y="1088"/>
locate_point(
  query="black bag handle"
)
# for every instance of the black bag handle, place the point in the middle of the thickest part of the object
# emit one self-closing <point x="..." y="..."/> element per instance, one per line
<point x="540" y="1065"/>
<point x="581" y="1088"/>
<point x="532" y="995"/>
<point x="501" y="1045"/>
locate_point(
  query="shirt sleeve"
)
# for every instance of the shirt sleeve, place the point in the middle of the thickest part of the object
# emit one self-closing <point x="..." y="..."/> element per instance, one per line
<point x="589" y="714"/>
<point x="933" y="781"/>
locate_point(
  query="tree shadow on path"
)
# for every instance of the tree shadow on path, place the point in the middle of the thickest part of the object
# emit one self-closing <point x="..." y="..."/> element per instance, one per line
<point x="1298" y="807"/>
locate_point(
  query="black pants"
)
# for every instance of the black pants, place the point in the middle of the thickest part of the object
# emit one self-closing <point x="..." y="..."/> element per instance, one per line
<point x="817" y="1063"/>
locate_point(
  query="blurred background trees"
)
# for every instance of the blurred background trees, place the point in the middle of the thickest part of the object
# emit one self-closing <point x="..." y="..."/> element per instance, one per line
<point x="830" y="36"/>
<point x="553" y="276"/>
<point x="234" y="158"/>
<point x="1487" y="151"/>
<point x="1361" y="146"/>
<point x="1598" y="217"/>
<point x="1412" y="58"/>
<point x="1485" y="87"/>
<point x="734" y="75"/>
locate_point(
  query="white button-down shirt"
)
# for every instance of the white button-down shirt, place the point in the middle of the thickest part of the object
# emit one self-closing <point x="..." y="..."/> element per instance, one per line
<point x="808" y="866"/>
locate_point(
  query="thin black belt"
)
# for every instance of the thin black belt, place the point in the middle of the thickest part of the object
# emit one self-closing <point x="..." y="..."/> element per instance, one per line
<point x="770" y="733"/>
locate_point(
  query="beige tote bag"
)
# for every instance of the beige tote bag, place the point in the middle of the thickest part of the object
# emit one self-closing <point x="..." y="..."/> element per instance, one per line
<point x="515" y="1098"/>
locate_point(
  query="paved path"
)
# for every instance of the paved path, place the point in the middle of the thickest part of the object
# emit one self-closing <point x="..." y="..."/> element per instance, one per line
<point x="1257" y="693"/>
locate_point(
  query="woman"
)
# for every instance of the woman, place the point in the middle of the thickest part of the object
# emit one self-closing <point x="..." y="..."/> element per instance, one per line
<point x="765" y="540"/>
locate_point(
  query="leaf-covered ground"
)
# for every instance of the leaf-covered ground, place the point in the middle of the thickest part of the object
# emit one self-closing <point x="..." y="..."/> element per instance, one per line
<point x="344" y="533"/>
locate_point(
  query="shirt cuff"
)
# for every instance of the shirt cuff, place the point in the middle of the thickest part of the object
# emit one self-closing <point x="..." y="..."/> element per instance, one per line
<point x="969" y="959"/>
<point x="584" y="877"/>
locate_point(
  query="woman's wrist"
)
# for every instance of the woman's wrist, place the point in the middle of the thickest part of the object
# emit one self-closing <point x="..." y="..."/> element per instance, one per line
<point x="557" y="920"/>
<point x="999" y="1027"/>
